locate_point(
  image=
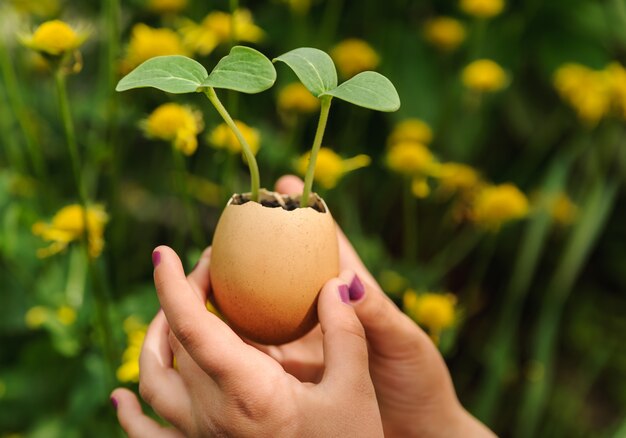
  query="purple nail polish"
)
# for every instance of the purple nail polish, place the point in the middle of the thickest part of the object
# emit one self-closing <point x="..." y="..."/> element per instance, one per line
<point x="156" y="258"/>
<point x="114" y="403"/>
<point x="357" y="290"/>
<point x="344" y="294"/>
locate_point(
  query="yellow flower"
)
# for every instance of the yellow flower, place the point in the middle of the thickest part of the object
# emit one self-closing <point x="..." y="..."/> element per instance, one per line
<point x="296" y="98"/>
<point x="330" y="167"/>
<point x="354" y="56"/>
<point x="66" y="315"/>
<point x="617" y="79"/>
<point x="484" y="75"/>
<point x="457" y="178"/>
<point x="147" y="42"/>
<point x="54" y="38"/>
<point x="562" y="209"/>
<point x="166" y="6"/>
<point x="433" y="311"/>
<point x="216" y="28"/>
<point x="482" y="8"/>
<point x="175" y="123"/>
<point x="128" y="371"/>
<point x="411" y="130"/>
<point x="445" y="33"/>
<point x="496" y="204"/>
<point x="222" y="137"/>
<point x="586" y="90"/>
<point x="36" y="317"/>
<point x="411" y="159"/>
<point x="68" y="225"/>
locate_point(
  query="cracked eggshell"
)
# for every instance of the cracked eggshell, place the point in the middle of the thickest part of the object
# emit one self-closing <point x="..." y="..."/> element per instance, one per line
<point x="268" y="266"/>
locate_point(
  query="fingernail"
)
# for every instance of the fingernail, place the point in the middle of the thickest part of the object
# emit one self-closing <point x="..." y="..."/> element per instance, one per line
<point x="344" y="293"/>
<point x="357" y="290"/>
<point x="156" y="258"/>
<point x="114" y="403"/>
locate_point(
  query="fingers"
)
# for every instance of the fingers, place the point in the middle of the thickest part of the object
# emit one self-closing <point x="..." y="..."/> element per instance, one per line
<point x="133" y="420"/>
<point x="207" y="339"/>
<point x="159" y="384"/>
<point x="289" y="185"/>
<point x="345" y="348"/>
<point x="199" y="277"/>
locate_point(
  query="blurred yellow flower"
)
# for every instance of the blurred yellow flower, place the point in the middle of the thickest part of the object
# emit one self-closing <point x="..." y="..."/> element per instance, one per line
<point x="330" y="167"/>
<point x="587" y="91"/>
<point x="354" y="56"/>
<point x="66" y="315"/>
<point x="216" y="28"/>
<point x="296" y="98"/>
<point x="36" y="316"/>
<point x="175" y="123"/>
<point x="445" y="33"/>
<point x="617" y="80"/>
<point x="411" y="158"/>
<point x="147" y="42"/>
<point x="457" y="178"/>
<point x="166" y="6"/>
<point x="128" y="371"/>
<point x="563" y="210"/>
<point x="68" y="225"/>
<point x="484" y="75"/>
<point x="54" y="38"/>
<point x="496" y="204"/>
<point x="222" y="137"/>
<point x="433" y="311"/>
<point x="410" y="130"/>
<point x="482" y="8"/>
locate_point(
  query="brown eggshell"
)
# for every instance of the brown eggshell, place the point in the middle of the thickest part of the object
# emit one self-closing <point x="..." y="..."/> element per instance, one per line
<point x="268" y="266"/>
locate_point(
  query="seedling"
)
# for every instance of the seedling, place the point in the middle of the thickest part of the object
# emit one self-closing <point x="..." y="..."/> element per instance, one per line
<point x="243" y="69"/>
<point x="249" y="71"/>
<point x="317" y="72"/>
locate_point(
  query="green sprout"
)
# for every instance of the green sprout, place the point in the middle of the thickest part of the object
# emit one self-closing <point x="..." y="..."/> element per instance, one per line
<point x="317" y="72"/>
<point x="244" y="69"/>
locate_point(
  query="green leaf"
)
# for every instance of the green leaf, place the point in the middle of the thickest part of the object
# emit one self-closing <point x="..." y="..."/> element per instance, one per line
<point x="314" y="68"/>
<point x="369" y="90"/>
<point x="243" y="69"/>
<point x="173" y="74"/>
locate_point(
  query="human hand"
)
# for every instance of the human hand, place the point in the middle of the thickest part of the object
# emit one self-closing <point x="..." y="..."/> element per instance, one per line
<point x="223" y="386"/>
<point x="413" y="386"/>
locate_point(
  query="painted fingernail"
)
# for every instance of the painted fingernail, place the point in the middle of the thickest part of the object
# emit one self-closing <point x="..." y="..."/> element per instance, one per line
<point x="156" y="258"/>
<point x="344" y="293"/>
<point x="357" y="290"/>
<point x="114" y="403"/>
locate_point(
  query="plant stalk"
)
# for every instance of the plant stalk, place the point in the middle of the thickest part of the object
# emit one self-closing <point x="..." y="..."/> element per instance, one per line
<point x="102" y="310"/>
<point x="317" y="143"/>
<point x="255" y="181"/>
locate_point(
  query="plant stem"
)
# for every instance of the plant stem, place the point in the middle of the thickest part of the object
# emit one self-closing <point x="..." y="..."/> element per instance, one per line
<point x="317" y="143"/>
<point x="19" y="109"/>
<point x="597" y="207"/>
<point x="100" y="294"/>
<point x="499" y="348"/>
<point x="180" y="178"/>
<point x="255" y="181"/>
<point x="410" y="221"/>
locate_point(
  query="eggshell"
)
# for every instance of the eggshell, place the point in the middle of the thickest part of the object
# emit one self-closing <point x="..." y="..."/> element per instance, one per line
<point x="268" y="266"/>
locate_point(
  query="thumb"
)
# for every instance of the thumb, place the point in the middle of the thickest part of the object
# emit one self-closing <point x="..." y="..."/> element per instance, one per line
<point x="345" y="347"/>
<point x="389" y="331"/>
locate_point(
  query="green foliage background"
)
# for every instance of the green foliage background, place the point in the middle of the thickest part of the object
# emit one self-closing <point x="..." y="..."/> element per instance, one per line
<point x="557" y="344"/>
